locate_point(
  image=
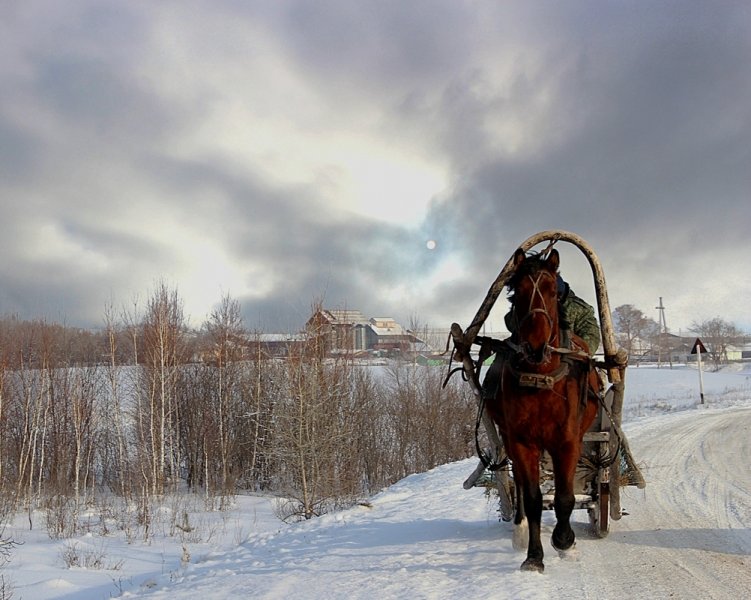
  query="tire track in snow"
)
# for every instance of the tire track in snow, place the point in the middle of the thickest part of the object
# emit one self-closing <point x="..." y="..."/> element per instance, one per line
<point x="688" y="532"/>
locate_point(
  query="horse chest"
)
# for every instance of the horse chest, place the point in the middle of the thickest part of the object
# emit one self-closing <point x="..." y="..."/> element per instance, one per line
<point x="534" y="419"/>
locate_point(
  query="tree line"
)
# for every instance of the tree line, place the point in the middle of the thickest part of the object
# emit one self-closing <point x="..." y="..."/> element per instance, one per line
<point x="128" y="412"/>
<point x="632" y="326"/>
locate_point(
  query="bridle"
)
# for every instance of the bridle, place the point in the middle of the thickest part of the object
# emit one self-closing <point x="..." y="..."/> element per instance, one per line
<point x="550" y="342"/>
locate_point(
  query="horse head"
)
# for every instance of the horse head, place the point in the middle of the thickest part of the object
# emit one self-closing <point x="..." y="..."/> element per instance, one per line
<point x="535" y="303"/>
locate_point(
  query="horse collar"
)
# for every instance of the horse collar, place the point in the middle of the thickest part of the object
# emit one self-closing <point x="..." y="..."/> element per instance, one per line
<point x="541" y="381"/>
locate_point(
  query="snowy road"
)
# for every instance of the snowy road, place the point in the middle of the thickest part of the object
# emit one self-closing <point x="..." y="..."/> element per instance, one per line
<point x="687" y="535"/>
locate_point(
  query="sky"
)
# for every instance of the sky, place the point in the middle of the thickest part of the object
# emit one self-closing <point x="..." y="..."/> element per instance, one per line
<point x="287" y="152"/>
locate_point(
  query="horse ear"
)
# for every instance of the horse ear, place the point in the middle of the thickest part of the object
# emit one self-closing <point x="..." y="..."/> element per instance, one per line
<point x="554" y="260"/>
<point x="519" y="257"/>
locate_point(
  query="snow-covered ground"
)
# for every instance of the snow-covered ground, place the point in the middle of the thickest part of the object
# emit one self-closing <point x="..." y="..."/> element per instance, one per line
<point x="687" y="535"/>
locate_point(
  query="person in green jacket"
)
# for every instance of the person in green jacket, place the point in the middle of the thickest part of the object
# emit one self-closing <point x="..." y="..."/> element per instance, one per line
<point x="578" y="316"/>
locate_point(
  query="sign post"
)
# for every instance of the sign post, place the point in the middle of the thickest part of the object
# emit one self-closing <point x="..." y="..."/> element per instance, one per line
<point x="699" y="349"/>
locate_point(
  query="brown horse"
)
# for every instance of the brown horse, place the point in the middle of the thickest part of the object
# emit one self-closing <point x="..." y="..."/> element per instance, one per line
<point x="544" y="401"/>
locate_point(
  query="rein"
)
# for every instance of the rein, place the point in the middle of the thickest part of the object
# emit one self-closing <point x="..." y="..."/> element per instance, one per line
<point x="486" y="462"/>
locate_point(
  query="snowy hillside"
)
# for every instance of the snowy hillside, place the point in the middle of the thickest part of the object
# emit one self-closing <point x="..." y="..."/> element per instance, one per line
<point x="687" y="535"/>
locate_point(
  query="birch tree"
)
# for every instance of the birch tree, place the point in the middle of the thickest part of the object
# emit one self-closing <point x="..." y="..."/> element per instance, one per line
<point x="227" y="337"/>
<point x="163" y="340"/>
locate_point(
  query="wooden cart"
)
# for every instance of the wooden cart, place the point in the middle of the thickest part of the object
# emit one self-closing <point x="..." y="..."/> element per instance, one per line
<point x="606" y="462"/>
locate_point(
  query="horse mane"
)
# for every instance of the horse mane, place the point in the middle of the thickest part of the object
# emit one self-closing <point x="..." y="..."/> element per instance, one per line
<point x="533" y="263"/>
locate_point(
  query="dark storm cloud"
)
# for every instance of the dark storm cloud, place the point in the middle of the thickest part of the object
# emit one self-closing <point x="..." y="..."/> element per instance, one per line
<point x="16" y="152"/>
<point x="396" y="42"/>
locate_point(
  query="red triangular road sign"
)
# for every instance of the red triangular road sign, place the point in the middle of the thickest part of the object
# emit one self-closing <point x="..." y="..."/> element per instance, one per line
<point x="698" y="346"/>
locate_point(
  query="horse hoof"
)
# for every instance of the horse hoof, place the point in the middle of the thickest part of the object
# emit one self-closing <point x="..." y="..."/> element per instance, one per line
<point x="533" y="564"/>
<point x="563" y="542"/>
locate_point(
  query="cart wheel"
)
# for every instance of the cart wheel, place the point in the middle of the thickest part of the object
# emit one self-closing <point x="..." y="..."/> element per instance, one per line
<point x="599" y="513"/>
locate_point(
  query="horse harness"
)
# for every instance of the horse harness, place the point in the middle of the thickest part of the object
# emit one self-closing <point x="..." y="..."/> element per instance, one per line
<point x="509" y="351"/>
<point x="547" y="381"/>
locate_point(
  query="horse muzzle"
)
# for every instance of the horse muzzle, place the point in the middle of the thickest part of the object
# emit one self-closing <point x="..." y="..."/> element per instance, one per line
<point x="536" y="356"/>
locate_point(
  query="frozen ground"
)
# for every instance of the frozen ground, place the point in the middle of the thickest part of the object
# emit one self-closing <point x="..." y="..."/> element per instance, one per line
<point x="688" y="534"/>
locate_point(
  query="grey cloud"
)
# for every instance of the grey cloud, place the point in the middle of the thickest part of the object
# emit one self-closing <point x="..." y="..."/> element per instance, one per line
<point x="376" y="42"/>
<point x="314" y="251"/>
<point x="645" y="140"/>
<point x="16" y="152"/>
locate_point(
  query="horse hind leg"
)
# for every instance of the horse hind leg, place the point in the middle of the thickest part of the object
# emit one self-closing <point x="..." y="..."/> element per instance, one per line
<point x="520" y="537"/>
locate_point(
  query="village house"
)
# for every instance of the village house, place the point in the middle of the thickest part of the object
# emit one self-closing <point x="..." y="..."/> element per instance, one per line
<point x="275" y="345"/>
<point x="349" y="331"/>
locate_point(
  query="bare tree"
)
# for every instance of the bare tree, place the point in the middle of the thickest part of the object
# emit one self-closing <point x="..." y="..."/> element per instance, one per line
<point x="113" y="414"/>
<point x="163" y="336"/>
<point x="198" y="427"/>
<point x="227" y="335"/>
<point x="69" y="443"/>
<point x="430" y="424"/>
<point x="717" y="334"/>
<point x="3" y="420"/>
<point x="318" y="428"/>
<point x="227" y="407"/>
<point x="372" y="441"/>
<point x="262" y="384"/>
<point x="631" y="325"/>
<point x="32" y="405"/>
<point x="49" y="417"/>
<point x="313" y="427"/>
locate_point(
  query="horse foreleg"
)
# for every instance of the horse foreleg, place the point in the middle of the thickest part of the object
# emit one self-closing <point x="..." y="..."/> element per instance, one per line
<point x="527" y="474"/>
<point x="564" y="468"/>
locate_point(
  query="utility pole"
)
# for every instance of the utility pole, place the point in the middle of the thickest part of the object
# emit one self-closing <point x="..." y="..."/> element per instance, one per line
<point x="663" y="332"/>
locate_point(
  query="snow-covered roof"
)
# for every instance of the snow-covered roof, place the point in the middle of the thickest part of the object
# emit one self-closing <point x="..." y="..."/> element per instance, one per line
<point x="266" y="338"/>
<point x="386" y="326"/>
<point x="348" y="317"/>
